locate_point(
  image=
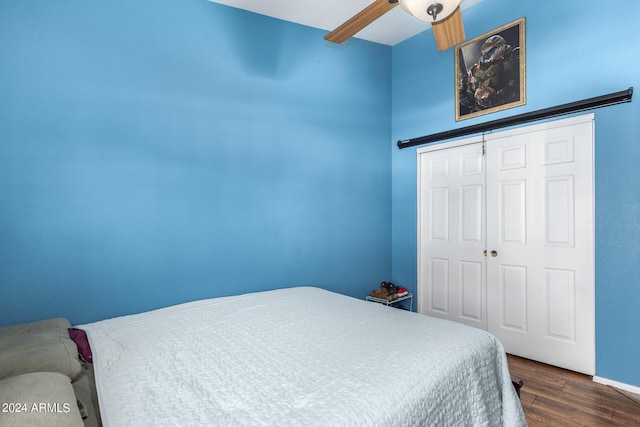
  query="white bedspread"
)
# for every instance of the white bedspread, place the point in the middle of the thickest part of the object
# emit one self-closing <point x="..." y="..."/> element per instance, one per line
<point x="298" y="357"/>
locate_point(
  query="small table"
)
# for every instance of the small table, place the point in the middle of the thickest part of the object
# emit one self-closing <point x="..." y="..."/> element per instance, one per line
<point x="392" y="302"/>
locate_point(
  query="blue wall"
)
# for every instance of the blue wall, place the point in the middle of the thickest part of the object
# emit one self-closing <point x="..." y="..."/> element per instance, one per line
<point x="573" y="53"/>
<point x="155" y="153"/>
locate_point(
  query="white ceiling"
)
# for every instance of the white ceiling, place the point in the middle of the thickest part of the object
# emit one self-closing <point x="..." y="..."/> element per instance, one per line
<point x="392" y="28"/>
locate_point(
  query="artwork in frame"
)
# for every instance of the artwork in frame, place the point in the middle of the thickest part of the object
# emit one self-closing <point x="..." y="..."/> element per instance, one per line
<point x="490" y="71"/>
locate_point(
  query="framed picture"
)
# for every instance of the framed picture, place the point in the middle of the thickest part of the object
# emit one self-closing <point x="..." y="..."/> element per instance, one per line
<point x="490" y="72"/>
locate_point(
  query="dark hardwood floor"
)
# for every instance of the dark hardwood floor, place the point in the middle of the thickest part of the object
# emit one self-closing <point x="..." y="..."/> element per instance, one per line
<point x="556" y="397"/>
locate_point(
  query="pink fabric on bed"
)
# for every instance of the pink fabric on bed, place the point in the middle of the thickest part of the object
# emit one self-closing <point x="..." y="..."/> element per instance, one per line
<point x="80" y="338"/>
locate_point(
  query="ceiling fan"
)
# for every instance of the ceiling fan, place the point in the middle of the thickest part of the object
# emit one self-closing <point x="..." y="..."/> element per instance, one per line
<point x="444" y="16"/>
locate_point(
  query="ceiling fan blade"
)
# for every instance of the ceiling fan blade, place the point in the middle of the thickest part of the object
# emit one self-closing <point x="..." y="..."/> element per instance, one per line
<point x="360" y="20"/>
<point x="450" y="31"/>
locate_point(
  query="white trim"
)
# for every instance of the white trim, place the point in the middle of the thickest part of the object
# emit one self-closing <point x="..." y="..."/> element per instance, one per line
<point x="418" y="229"/>
<point x="616" y="384"/>
<point x="450" y="144"/>
<point x="526" y="128"/>
<point x="551" y="124"/>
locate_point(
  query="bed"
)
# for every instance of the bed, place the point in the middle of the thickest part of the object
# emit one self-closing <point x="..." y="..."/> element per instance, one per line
<point x="297" y="356"/>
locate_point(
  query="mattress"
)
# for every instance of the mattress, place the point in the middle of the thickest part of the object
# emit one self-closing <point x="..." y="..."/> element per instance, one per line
<point x="298" y="356"/>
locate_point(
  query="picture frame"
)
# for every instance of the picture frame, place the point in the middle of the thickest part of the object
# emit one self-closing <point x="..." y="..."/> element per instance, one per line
<point x="490" y="71"/>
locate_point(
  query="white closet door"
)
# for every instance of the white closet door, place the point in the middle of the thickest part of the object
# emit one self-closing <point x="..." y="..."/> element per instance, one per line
<point x="452" y="233"/>
<point x="540" y="238"/>
<point x="531" y="208"/>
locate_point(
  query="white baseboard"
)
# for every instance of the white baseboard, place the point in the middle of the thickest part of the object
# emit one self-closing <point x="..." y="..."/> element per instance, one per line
<point x="621" y="386"/>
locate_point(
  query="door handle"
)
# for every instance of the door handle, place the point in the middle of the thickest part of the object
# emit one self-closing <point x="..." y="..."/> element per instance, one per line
<point x="485" y="252"/>
<point x="494" y="253"/>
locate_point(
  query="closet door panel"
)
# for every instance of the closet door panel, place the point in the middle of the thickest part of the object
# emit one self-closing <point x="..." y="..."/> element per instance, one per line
<point x="540" y="271"/>
<point x="451" y="267"/>
<point x="471" y="282"/>
<point x="512" y="199"/>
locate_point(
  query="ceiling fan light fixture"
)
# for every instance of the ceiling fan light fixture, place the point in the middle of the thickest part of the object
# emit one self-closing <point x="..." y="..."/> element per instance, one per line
<point x="434" y="9"/>
<point x="430" y="10"/>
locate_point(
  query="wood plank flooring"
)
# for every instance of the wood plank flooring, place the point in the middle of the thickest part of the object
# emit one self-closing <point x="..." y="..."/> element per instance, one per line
<point x="556" y="397"/>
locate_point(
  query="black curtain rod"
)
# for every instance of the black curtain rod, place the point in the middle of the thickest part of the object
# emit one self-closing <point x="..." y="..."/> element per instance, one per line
<point x="559" y="110"/>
